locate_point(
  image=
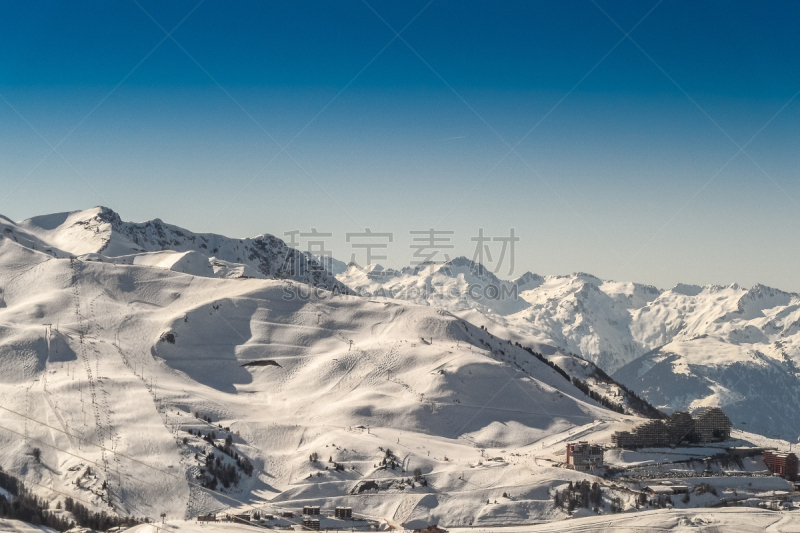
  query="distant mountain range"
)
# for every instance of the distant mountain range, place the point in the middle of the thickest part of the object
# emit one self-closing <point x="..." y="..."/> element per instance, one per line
<point x="680" y="349"/>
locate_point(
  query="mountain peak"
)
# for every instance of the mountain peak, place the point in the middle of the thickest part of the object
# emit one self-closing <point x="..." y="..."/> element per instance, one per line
<point x="105" y="211"/>
<point x="686" y="289"/>
<point x="589" y="278"/>
<point x="528" y="281"/>
<point x="476" y="269"/>
<point x="762" y="291"/>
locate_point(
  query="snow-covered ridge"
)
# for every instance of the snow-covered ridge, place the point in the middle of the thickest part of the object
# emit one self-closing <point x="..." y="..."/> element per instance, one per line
<point x="607" y="322"/>
<point x="100" y="234"/>
<point x="456" y="285"/>
<point x="647" y="338"/>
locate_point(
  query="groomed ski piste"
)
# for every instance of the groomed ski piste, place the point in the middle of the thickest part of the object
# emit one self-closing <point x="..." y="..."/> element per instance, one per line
<point x="118" y="364"/>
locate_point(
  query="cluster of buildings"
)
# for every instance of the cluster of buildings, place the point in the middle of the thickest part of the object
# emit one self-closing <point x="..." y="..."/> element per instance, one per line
<point x="708" y="424"/>
<point x="312" y="512"/>
<point x="705" y="425"/>
<point x="310" y="518"/>
<point x="345" y="513"/>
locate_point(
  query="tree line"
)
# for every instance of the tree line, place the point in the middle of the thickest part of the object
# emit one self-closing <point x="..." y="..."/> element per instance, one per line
<point x="27" y="507"/>
<point x="581" y="494"/>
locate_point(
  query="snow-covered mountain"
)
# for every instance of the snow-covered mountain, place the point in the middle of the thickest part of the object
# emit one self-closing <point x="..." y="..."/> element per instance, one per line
<point x="118" y="367"/>
<point x="100" y="234"/>
<point x="579" y="314"/>
<point x="130" y="353"/>
<point x="456" y="285"/>
<point x="758" y="390"/>
<point x="680" y="349"/>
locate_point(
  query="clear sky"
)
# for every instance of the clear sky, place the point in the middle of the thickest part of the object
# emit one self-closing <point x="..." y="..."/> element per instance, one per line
<point x="671" y="155"/>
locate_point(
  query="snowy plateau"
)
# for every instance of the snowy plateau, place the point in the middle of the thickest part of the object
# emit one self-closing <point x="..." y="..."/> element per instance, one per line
<point x="131" y="352"/>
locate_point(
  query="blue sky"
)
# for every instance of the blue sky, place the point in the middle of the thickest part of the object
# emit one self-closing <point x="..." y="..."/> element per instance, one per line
<point x="626" y="158"/>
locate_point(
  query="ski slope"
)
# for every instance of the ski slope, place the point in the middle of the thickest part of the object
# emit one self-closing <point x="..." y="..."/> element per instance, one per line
<point x="106" y="363"/>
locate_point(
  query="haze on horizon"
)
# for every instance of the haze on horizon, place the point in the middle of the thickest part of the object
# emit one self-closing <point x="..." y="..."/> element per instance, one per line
<point x="668" y="154"/>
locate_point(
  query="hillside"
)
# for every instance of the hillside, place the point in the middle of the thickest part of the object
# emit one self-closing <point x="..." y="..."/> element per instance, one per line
<point x="108" y="367"/>
<point x="99" y="234"/>
<point x="679" y="349"/>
